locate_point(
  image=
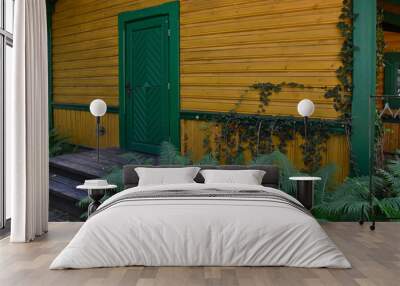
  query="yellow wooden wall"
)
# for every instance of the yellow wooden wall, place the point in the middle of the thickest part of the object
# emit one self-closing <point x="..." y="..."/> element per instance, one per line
<point x="81" y="127"/>
<point x="226" y="46"/>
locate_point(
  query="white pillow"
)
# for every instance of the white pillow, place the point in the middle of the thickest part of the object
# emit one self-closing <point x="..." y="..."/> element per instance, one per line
<point x="166" y="176"/>
<point x="248" y="177"/>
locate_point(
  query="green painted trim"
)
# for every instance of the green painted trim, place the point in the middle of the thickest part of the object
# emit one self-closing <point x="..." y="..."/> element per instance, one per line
<point x="49" y="14"/>
<point x="392" y="62"/>
<point x="172" y="10"/>
<point x="175" y="74"/>
<point x="336" y="126"/>
<point x="391" y="18"/>
<point x="81" y="107"/>
<point x="392" y="1"/>
<point x="364" y="81"/>
<point x="121" y="81"/>
<point x="391" y="120"/>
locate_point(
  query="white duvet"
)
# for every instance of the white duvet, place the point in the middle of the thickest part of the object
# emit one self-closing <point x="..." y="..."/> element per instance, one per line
<point x="193" y="231"/>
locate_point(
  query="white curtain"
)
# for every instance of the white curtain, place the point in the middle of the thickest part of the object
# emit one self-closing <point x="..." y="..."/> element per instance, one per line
<point x="27" y="124"/>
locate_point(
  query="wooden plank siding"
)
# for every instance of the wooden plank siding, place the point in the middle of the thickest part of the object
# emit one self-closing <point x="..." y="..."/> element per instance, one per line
<point x="80" y="126"/>
<point x="226" y="46"/>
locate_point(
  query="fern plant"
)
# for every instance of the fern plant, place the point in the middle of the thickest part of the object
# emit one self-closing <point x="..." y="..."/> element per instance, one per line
<point x="169" y="155"/>
<point x="353" y="200"/>
<point x="59" y="144"/>
<point x="286" y="169"/>
<point x="348" y="201"/>
<point x="207" y="159"/>
<point x="388" y="188"/>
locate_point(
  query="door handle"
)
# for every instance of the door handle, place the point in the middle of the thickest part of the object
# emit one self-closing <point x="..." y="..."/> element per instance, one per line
<point x="128" y="89"/>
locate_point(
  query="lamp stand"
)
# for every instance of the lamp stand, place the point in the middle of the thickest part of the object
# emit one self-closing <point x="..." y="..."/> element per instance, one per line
<point x="98" y="137"/>
<point x="305" y="133"/>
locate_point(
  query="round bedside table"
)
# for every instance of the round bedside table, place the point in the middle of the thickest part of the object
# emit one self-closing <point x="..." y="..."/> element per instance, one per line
<point x="305" y="190"/>
<point x="95" y="193"/>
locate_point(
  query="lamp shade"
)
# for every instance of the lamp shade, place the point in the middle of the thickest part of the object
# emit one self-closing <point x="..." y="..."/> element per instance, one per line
<point x="305" y="108"/>
<point x="98" y="107"/>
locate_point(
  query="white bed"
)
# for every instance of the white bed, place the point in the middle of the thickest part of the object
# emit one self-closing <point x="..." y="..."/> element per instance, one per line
<point x="202" y="231"/>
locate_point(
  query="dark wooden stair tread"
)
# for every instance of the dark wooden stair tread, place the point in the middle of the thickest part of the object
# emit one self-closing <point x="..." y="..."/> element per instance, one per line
<point x="70" y="170"/>
<point x="65" y="187"/>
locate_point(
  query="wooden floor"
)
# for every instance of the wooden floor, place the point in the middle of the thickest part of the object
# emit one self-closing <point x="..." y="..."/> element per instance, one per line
<point x="375" y="257"/>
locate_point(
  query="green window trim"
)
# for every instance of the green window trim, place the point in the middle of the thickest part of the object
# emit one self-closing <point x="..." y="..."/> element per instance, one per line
<point x="81" y="107"/>
<point x="391" y="18"/>
<point x="392" y="1"/>
<point x="391" y="81"/>
<point x="171" y="10"/>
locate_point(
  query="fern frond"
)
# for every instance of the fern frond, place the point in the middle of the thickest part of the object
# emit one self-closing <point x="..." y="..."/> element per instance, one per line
<point x="134" y="158"/>
<point x="239" y="159"/>
<point x="59" y="144"/>
<point x="351" y="200"/>
<point x="170" y="156"/>
<point x="84" y="203"/>
<point x="264" y="159"/>
<point x="393" y="167"/>
<point x="390" y="207"/>
<point x="326" y="174"/>
<point x="286" y="169"/>
<point x="208" y="159"/>
<point x="115" y="177"/>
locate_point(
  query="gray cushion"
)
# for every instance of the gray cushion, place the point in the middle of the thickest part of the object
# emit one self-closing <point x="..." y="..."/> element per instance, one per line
<point x="270" y="179"/>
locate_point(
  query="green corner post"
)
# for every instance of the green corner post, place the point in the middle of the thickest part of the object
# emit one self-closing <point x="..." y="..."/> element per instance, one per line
<point x="364" y="81"/>
<point x="50" y="9"/>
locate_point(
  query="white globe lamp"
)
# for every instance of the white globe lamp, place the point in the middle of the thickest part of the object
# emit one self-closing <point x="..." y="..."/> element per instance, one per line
<point x="305" y="108"/>
<point x="98" y="108"/>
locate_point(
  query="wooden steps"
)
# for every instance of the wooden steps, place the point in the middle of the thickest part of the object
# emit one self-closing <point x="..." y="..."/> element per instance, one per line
<point x="70" y="170"/>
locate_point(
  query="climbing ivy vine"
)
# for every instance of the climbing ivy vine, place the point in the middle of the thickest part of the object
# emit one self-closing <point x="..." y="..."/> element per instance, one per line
<point x="342" y="92"/>
<point x="380" y="41"/>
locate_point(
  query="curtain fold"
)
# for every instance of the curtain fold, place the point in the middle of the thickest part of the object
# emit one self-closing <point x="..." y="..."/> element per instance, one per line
<point x="27" y="124"/>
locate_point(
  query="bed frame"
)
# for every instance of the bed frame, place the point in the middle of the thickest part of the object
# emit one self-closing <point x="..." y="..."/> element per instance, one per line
<point x="270" y="179"/>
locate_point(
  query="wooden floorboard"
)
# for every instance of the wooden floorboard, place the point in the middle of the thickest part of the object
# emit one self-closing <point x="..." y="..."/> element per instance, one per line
<point x="375" y="257"/>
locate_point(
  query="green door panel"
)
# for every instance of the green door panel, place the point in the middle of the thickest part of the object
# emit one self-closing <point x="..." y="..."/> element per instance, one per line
<point x="149" y="77"/>
<point x="147" y="103"/>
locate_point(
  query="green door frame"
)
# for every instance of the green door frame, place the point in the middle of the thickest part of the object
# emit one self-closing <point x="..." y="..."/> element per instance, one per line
<point x="171" y="10"/>
<point x="364" y="81"/>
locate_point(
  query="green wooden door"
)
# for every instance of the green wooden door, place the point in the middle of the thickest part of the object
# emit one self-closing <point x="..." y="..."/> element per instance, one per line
<point x="146" y="84"/>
